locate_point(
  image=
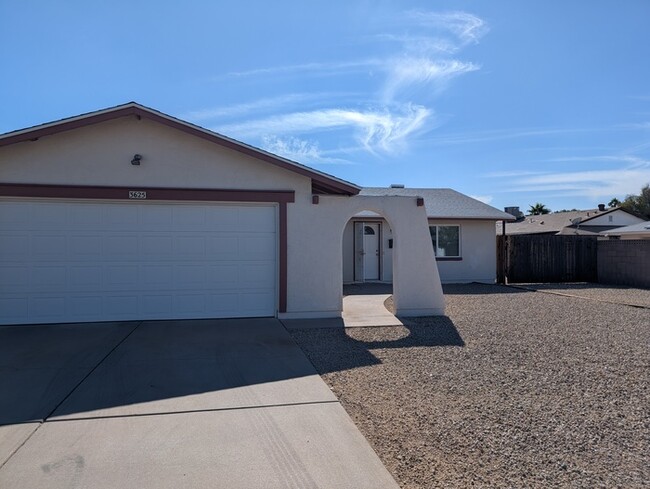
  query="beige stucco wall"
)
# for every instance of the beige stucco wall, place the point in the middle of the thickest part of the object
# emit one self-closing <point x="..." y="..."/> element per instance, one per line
<point x="100" y="155"/>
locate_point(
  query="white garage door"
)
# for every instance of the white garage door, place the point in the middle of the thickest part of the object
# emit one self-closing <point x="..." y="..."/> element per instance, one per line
<point x="65" y="261"/>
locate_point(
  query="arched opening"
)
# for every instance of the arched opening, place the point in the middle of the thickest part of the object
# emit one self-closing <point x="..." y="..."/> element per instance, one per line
<point x="367" y="253"/>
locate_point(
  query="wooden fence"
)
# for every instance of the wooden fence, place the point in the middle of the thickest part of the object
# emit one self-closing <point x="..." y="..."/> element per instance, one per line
<point x="548" y="258"/>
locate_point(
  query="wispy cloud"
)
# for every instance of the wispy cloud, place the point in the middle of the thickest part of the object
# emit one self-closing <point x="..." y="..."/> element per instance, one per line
<point x="382" y="129"/>
<point x="486" y="199"/>
<point x="321" y="69"/>
<point x="297" y="149"/>
<point x="466" y="27"/>
<point x="269" y="103"/>
<point x="423" y="71"/>
<point x="625" y="179"/>
<point x="396" y="102"/>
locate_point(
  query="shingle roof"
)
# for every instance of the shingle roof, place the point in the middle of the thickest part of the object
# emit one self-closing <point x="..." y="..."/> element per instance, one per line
<point x="555" y="222"/>
<point x="443" y="203"/>
<point x="546" y="223"/>
<point x="640" y="228"/>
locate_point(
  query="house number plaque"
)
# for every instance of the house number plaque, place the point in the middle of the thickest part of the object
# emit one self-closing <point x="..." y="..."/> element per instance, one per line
<point x="137" y="194"/>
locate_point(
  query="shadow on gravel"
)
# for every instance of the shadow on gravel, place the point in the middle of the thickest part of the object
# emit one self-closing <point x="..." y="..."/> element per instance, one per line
<point x="480" y="289"/>
<point x="334" y="349"/>
<point x="367" y="288"/>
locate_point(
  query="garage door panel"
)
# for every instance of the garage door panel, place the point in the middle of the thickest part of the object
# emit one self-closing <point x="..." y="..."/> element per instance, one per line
<point x="89" y="307"/>
<point x="121" y="216"/>
<point x="120" y="247"/>
<point x="85" y="247"/>
<point x="189" y="304"/>
<point x="15" y="278"/>
<point x="46" y="278"/>
<point x="250" y="220"/>
<point x="222" y="276"/>
<point x="251" y="275"/>
<point x="157" y="247"/>
<point x="87" y="216"/>
<point x="13" y="309"/>
<point x="187" y="218"/>
<point x="222" y="218"/>
<point x="13" y="246"/>
<point x="256" y="301"/>
<point x="157" y="277"/>
<point x="48" y="247"/>
<point x="157" y="306"/>
<point x="258" y="247"/>
<point x="121" y="276"/>
<point x="83" y="278"/>
<point x="190" y="247"/>
<point x="16" y="216"/>
<point x="121" y="307"/>
<point x="155" y="218"/>
<point x="190" y="277"/>
<point x="46" y="218"/>
<point x="47" y="308"/>
<point x="222" y="247"/>
<point x="84" y="261"/>
<point x="226" y="304"/>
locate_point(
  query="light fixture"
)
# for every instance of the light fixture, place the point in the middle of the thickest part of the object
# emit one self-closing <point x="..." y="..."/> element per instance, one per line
<point x="136" y="159"/>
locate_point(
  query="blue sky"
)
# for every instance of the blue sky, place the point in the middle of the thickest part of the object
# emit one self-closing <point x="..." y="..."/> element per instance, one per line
<point x="513" y="102"/>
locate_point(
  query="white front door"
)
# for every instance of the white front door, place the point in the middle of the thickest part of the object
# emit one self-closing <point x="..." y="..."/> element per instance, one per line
<point x="371" y="251"/>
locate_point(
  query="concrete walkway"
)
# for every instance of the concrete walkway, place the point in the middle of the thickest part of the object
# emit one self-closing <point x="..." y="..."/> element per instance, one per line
<point x="229" y="403"/>
<point x="361" y="311"/>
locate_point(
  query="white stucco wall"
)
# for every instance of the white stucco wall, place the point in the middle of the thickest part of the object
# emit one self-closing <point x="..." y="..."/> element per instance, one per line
<point x="478" y="253"/>
<point x="100" y="155"/>
<point x="416" y="283"/>
<point x="478" y="250"/>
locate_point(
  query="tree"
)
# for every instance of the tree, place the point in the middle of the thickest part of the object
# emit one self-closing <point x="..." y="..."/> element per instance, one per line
<point x="614" y="202"/>
<point x="538" y="209"/>
<point x="639" y="204"/>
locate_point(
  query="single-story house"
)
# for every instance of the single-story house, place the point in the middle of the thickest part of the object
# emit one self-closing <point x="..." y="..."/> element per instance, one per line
<point x="634" y="231"/>
<point x="461" y="230"/>
<point x="127" y="214"/>
<point x="589" y="223"/>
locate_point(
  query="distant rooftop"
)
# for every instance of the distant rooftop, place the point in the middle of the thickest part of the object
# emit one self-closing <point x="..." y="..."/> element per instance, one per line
<point x="556" y="222"/>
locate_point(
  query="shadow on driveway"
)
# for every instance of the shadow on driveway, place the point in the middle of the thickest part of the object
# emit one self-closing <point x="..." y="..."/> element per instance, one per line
<point x="117" y="369"/>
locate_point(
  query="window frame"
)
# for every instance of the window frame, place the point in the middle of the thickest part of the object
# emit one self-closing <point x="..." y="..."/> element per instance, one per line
<point x="460" y="241"/>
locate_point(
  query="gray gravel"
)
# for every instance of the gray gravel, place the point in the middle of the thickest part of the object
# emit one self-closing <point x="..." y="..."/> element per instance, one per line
<point x="512" y="389"/>
<point x="610" y="293"/>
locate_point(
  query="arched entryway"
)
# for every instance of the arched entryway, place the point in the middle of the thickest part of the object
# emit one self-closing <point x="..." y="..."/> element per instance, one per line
<point x="367" y="249"/>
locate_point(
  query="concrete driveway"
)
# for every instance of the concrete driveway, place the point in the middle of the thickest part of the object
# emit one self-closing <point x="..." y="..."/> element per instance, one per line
<point x="213" y="403"/>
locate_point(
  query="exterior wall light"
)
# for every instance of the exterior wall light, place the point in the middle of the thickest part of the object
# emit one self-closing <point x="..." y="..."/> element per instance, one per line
<point x="136" y="159"/>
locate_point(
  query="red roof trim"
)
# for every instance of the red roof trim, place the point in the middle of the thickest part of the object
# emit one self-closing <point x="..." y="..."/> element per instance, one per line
<point x="318" y="180"/>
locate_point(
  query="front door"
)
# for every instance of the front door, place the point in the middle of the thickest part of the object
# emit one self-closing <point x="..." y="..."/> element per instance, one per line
<point x="371" y="251"/>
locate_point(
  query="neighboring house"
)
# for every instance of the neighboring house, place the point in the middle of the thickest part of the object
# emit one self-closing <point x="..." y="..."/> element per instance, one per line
<point x="461" y="230"/>
<point x="127" y="213"/>
<point x="635" y="231"/>
<point x="590" y="222"/>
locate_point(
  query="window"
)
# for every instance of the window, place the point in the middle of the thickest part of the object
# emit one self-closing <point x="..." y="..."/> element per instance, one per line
<point x="368" y="230"/>
<point x="446" y="240"/>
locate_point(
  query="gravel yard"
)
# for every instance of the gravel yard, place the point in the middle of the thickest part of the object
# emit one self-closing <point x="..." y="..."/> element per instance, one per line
<point x="610" y="293"/>
<point x="512" y="389"/>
